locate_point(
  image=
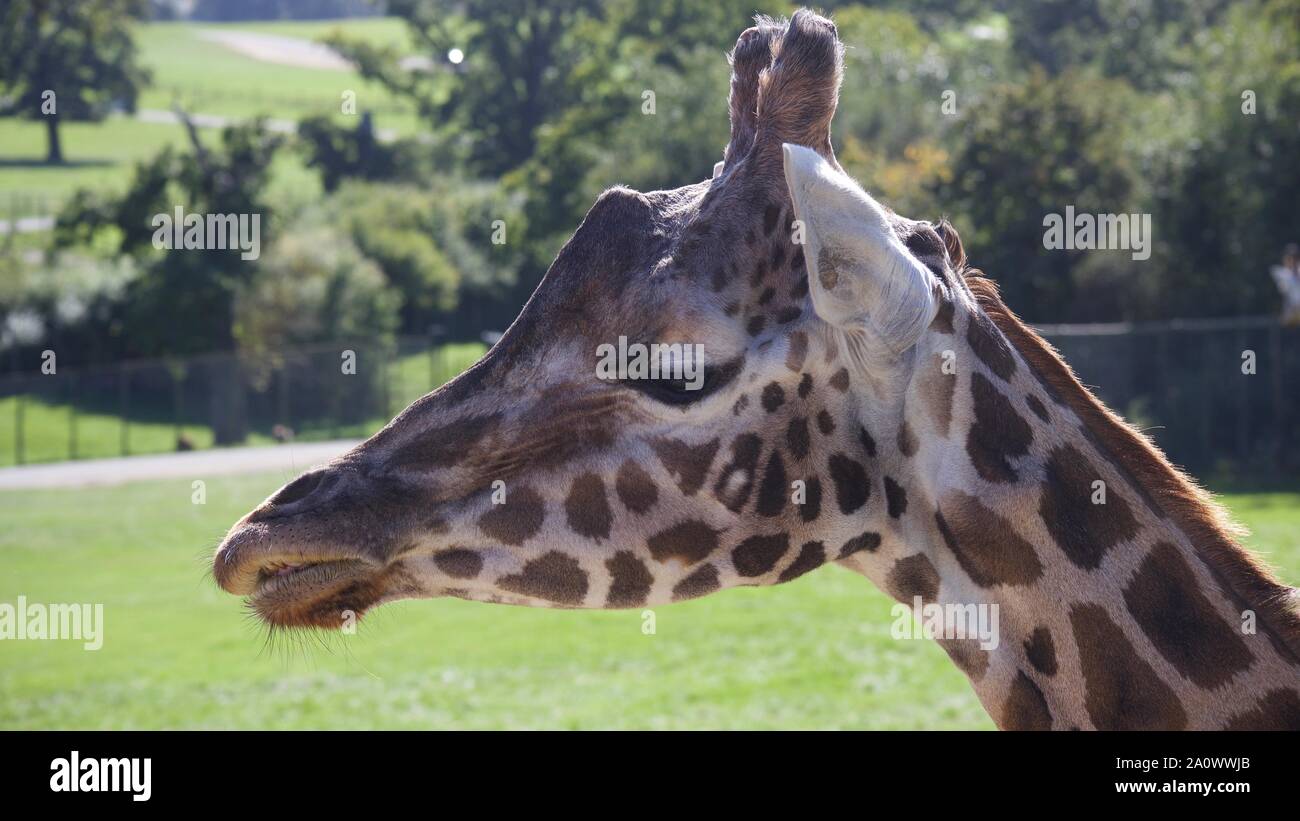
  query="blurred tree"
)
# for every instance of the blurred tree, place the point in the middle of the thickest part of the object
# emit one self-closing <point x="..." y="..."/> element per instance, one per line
<point x="68" y="60"/>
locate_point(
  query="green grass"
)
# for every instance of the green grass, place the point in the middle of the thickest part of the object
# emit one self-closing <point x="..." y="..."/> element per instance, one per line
<point x="179" y="654"/>
<point x="47" y="422"/>
<point x="205" y="77"/>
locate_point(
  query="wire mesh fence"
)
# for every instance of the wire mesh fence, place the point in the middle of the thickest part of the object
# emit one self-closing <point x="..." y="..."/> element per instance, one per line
<point x="1216" y="395"/>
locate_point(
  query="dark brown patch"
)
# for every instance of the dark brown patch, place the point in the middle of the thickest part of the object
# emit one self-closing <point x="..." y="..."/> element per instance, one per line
<point x="553" y="577"/>
<point x="811" y="556"/>
<point x="906" y="440"/>
<point x="586" y="509"/>
<point x="998" y="433"/>
<point x="938" y="389"/>
<point x="773" y="397"/>
<point x="1039" y="409"/>
<point x="913" y="576"/>
<point x="756" y="324"/>
<point x="1083" y="530"/>
<point x="943" y="318"/>
<point x="744" y="459"/>
<point x="798" y="351"/>
<point x="636" y="490"/>
<point x="967" y="654"/>
<point x="851" y="486"/>
<point x="700" y="583"/>
<point x="1123" y="692"/>
<point x="446" y="446"/>
<point x="778" y="257"/>
<point x="797" y="438"/>
<point x="800" y="288"/>
<point x="990" y="346"/>
<point x="1025" y="709"/>
<point x="797" y="262"/>
<point x="773" y="489"/>
<point x="630" y="580"/>
<point x="825" y="423"/>
<point x="1278" y="710"/>
<point x="759" y="554"/>
<point x="771" y="216"/>
<point x="688" y="464"/>
<point x="787" y="315"/>
<point x="1180" y="621"/>
<point x="895" y="498"/>
<point x="766" y="297"/>
<point x="868" y="444"/>
<point x="1041" y="651"/>
<point x="840" y="381"/>
<point x="812" y="505"/>
<point x="690" y="541"/>
<point x="867" y="541"/>
<point x="805" y="386"/>
<point x="459" y="563"/>
<point x="741" y="404"/>
<point x="516" y="521"/>
<point x="986" y="545"/>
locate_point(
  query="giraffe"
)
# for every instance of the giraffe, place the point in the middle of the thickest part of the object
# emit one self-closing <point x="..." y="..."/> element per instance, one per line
<point x="867" y="401"/>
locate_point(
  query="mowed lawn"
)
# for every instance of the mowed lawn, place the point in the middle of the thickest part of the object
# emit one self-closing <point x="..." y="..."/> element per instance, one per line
<point x="178" y="653"/>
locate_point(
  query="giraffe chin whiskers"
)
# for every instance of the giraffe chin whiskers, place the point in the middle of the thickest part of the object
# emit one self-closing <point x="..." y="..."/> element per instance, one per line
<point x="317" y="594"/>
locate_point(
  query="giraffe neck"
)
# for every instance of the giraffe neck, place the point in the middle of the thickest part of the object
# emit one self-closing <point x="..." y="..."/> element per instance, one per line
<point x="1122" y="600"/>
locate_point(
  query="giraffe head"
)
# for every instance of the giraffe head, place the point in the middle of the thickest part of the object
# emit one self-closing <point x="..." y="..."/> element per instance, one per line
<point x="535" y="478"/>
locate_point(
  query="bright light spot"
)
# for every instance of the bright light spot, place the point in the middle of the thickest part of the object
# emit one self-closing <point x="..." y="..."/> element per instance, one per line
<point x="456" y="56"/>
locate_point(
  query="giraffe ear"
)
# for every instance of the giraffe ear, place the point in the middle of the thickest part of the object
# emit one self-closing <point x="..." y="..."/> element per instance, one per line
<point x="861" y="276"/>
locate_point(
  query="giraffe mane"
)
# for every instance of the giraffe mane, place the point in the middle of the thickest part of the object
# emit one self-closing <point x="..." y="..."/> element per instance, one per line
<point x="1166" y="490"/>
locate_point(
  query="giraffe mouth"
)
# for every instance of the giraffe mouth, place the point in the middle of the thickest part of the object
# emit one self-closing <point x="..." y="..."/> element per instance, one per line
<point x="324" y="594"/>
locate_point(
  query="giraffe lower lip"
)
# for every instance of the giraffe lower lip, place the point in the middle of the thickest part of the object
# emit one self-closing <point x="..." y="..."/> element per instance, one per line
<point x="317" y="594"/>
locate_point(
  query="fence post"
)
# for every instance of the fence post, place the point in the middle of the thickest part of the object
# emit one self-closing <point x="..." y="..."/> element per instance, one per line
<point x="19" y="455"/>
<point x="72" y="416"/>
<point x="123" y="403"/>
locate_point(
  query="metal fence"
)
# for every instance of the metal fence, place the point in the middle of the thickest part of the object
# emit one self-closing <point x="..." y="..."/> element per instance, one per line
<point x="347" y="389"/>
<point x="1189" y="384"/>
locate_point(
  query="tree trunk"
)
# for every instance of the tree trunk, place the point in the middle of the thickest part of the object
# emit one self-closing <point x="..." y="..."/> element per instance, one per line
<point x="54" y="155"/>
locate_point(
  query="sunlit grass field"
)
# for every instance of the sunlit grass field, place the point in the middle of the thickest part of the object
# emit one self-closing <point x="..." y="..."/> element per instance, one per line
<point x="178" y="653"/>
<point x="205" y="77"/>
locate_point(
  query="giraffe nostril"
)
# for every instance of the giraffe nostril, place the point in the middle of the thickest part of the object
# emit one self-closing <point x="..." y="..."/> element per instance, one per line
<point x="298" y="489"/>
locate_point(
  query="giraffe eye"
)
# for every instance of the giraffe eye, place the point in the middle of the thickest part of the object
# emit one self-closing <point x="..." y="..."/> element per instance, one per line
<point x="687" y="392"/>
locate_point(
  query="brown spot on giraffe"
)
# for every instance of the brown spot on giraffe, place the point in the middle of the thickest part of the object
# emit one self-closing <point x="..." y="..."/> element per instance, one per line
<point x="840" y="381"/>
<point x="1084" y="530"/>
<point x="985" y="544"/>
<point x="1123" y="692"/>
<point x="812" y="505"/>
<point x="895" y="498"/>
<point x="998" y="434"/>
<point x="967" y="654"/>
<point x="736" y="481"/>
<point x="1026" y="708"/>
<point x="868" y="541"/>
<point x="1041" y="651"/>
<point x="907" y="442"/>
<point x="773" y="490"/>
<point x="990" y="346"/>
<point x="1168" y="604"/>
<point x="552" y="577"/>
<point x="812" y="555"/>
<point x="913" y="576"/>
<point x="689" y="464"/>
<point x="1279" y="709"/>
<point x="851" y="486"/>
<point x="516" y="521"/>
<point x="937" y="391"/>
<point x="459" y="563"/>
<point x="825" y="422"/>
<point x="700" y="583"/>
<point x="586" y="509"/>
<point x="805" y="386"/>
<point x="759" y="554"/>
<point x="797" y="353"/>
<point x="797" y="438"/>
<point x="445" y="446"/>
<point x="773" y="397"/>
<point x="636" y="490"/>
<point x="1036" y="405"/>
<point x="630" y="580"/>
<point x="690" y="541"/>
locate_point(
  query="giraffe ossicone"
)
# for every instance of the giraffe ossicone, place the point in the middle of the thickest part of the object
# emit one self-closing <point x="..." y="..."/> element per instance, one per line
<point x="867" y="400"/>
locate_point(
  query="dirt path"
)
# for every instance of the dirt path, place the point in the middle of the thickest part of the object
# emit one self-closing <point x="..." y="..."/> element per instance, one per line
<point x="199" y="464"/>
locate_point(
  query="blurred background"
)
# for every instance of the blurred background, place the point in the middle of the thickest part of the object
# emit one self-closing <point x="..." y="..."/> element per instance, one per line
<point x="417" y="164"/>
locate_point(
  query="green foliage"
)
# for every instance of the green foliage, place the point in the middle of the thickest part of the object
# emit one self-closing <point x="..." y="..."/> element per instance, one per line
<point x="80" y="51"/>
